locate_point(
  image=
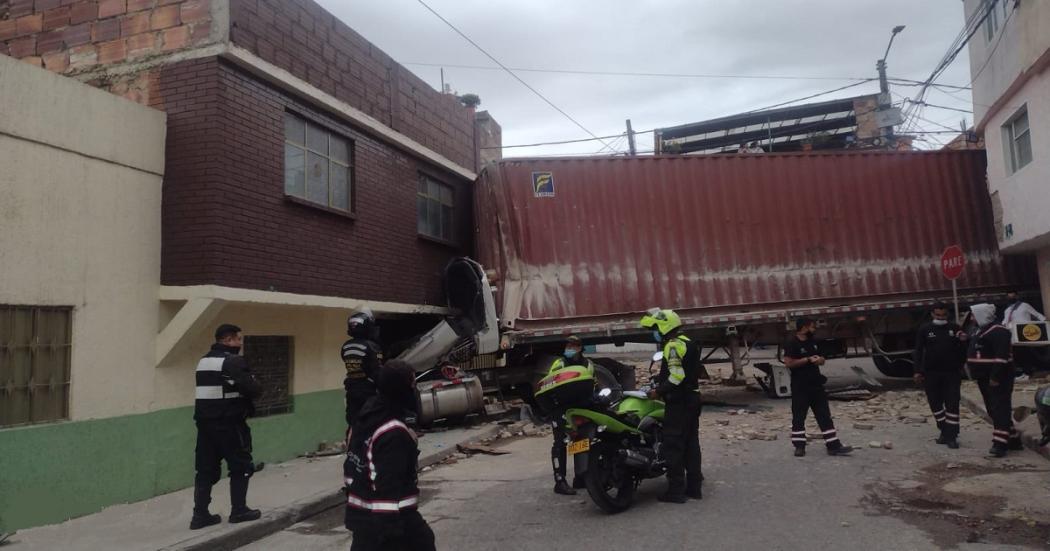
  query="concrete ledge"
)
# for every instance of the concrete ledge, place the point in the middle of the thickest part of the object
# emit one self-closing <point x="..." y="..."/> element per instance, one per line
<point x="278" y="519"/>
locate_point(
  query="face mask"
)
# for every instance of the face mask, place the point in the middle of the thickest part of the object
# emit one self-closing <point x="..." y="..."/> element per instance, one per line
<point x="657" y="336"/>
<point x="940" y="322"/>
<point x="571" y="353"/>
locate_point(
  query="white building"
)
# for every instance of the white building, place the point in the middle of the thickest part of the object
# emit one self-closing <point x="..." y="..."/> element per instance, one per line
<point x="1009" y="58"/>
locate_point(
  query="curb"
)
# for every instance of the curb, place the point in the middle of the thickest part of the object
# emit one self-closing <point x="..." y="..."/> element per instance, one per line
<point x="275" y="520"/>
<point x="1030" y="442"/>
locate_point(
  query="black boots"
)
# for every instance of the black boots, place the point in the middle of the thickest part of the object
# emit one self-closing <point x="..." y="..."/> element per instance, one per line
<point x="201" y="517"/>
<point x="949" y="441"/>
<point x="800" y="451"/>
<point x="841" y="450"/>
<point x="562" y="487"/>
<point x="204" y="521"/>
<point x="238" y="497"/>
<point x="997" y="450"/>
<point x="673" y="497"/>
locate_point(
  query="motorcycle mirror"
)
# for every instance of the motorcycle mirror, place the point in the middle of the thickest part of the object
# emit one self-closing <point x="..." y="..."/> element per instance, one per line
<point x="605" y="392"/>
<point x="659" y="356"/>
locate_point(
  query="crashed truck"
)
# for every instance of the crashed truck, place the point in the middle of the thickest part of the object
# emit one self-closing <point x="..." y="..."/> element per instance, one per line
<point x="739" y="245"/>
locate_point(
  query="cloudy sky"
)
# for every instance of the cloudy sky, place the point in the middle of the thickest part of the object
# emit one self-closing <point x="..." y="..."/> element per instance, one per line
<point x="816" y="45"/>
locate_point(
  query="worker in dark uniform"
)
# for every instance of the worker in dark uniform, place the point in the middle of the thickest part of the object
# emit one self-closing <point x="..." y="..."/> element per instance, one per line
<point x="940" y="354"/>
<point x="382" y="491"/>
<point x="225" y="390"/>
<point x="992" y="366"/>
<point x="679" y="387"/>
<point x="803" y="359"/>
<point x="362" y="357"/>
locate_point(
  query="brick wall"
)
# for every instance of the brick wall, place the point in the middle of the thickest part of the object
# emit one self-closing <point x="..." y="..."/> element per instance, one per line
<point x="227" y="222"/>
<point x="74" y="36"/>
<point x="304" y="39"/>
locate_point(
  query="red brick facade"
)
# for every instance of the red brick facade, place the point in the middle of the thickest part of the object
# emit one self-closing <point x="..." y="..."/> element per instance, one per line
<point x="75" y="36"/>
<point x="227" y="221"/>
<point x="307" y="41"/>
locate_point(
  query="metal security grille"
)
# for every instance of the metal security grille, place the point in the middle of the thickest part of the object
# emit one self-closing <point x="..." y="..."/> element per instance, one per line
<point x="270" y="359"/>
<point x="35" y="343"/>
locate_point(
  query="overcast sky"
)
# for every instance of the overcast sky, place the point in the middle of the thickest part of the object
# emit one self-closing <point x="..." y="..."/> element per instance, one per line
<point x="825" y="39"/>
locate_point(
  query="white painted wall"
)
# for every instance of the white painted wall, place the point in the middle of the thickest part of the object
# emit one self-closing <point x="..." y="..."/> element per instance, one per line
<point x="1025" y="194"/>
<point x="80" y="195"/>
<point x="1019" y="43"/>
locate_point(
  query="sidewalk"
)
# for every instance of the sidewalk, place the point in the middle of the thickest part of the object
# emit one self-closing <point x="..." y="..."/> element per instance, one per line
<point x="286" y="493"/>
<point x="1024" y="395"/>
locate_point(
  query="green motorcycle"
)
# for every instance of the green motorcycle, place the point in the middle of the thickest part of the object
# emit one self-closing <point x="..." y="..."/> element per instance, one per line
<point x="614" y="435"/>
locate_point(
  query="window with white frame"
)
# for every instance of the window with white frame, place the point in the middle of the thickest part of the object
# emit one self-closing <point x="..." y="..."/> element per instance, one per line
<point x="435" y="206"/>
<point x="1017" y="141"/>
<point x="318" y="164"/>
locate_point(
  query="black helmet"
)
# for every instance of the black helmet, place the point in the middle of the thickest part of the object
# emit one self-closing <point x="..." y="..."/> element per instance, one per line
<point x="361" y="324"/>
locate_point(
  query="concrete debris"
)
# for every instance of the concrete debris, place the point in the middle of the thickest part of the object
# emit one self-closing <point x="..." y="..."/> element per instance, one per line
<point x="887" y="445"/>
<point x="863" y="426"/>
<point x="874" y="444"/>
<point x="722" y="422"/>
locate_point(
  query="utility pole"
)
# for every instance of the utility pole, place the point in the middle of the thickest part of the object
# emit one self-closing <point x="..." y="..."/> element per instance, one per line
<point x="886" y="115"/>
<point x="630" y="139"/>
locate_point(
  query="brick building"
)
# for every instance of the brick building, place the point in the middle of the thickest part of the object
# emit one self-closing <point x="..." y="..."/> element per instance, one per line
<point x="306" y="174"/>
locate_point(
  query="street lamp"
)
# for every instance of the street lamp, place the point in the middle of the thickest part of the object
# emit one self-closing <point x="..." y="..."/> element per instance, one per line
<point x="885" y="102"/>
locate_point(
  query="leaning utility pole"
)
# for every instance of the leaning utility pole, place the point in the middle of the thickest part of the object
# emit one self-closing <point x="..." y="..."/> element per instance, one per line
<point x="630" y="139"/>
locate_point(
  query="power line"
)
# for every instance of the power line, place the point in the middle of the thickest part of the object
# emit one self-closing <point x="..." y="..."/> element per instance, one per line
<point x="629" y="73"/>
<point x="609" y="137"/>
<point x="927" y="104"/>
<point x="811" y="96"/>
<point x="973" y="23"/>
<point x="510" y="72"/>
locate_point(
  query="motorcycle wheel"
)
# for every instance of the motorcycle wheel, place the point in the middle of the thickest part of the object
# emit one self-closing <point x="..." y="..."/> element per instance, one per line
<point x="610" y="485"/>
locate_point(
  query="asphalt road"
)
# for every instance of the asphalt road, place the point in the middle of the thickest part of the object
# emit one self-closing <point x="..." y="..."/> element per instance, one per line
<point x="916" y="496"/>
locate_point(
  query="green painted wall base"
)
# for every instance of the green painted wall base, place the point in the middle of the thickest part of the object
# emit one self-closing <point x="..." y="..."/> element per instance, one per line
<point x="52" y="473"/>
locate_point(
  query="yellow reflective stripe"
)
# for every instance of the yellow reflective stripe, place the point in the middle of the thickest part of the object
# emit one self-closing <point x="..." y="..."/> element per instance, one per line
<point x="673" y="353"/>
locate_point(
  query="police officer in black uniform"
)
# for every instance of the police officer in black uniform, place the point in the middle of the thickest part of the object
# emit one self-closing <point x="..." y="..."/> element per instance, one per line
<point x="678" y="384"/>
<point x="940" y="354"/>
<point x="382" y="491"/>
<point x="225" y="390"/>
<point x="362" y="357"/>
<point x="992" y="366"/>
<point x="803" y="358"/>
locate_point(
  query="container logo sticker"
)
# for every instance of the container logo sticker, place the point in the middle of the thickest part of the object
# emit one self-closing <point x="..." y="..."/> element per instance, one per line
<point x="543" y="184"/>
<point x="1032" y="332"/>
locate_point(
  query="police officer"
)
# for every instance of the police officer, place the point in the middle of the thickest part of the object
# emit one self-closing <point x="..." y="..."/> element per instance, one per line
<point x="362" y="357"/>
<point x="382" y="491"/>
<point x="572" y="356"/>
<point x="992" y="366"/>
<point x="803" y="359"/>
<point x="679" y="386"/>
<point x="940" y="354"/>
<point x="225" y="390"/>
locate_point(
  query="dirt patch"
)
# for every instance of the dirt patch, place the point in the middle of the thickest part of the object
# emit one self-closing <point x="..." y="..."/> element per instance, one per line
<point x="955" y="518"/>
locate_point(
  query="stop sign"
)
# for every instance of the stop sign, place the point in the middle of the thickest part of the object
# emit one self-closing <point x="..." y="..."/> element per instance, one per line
<point x="952" y="262"/>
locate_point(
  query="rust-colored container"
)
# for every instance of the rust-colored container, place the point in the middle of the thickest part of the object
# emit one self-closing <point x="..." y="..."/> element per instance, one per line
<point x="577" y="241"/>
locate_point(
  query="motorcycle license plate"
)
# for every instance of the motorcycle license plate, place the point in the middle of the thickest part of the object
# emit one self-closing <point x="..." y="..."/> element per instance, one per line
<point x="579" y="446"/>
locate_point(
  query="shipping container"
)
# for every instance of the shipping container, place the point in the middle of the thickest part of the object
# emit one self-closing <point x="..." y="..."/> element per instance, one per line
<point x="585" y="245"/>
